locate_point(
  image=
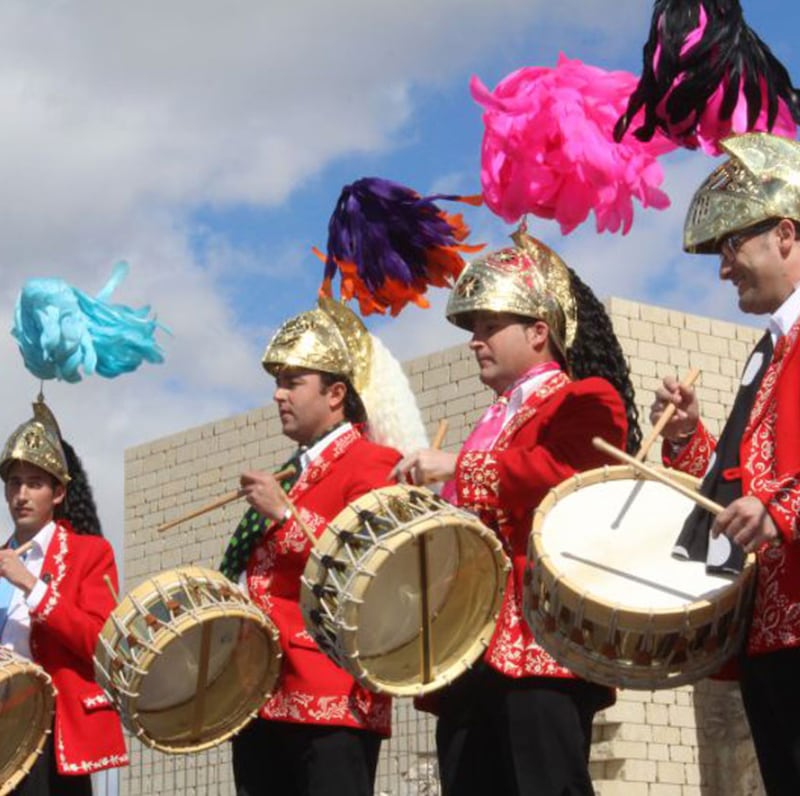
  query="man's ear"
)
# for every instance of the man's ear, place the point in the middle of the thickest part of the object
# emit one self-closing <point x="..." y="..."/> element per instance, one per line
<point x="538" y="335"/>
<point x="787" y="232"/>
<point x="336" y="393"/>
<point x="59" y="493"/>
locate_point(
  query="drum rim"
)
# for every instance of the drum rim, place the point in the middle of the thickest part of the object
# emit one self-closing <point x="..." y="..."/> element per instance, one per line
<point x="589" y="663"/>
<point x="22" y="665"/>
<point x="345" y="652"/>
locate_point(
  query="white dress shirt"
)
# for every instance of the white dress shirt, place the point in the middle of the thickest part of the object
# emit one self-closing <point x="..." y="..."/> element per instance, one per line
<point x="785" y="316"/>
<point x="17" y="630"/>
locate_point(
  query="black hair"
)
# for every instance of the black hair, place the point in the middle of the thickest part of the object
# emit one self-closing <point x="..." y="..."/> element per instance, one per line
<point x="354" y="409"/>
<point x="78" y="507"/>
<point x="596" y="351"/>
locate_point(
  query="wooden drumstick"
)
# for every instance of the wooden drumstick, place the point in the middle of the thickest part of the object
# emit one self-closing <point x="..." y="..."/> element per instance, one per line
<point x="691" y="378"/>
<point x="110" y="585"/>
<point x="440" y="435"/>
<point x="657" y="475"/>
<point x="23" y="548"/>
<point x="218" y="503"/>
<point x="299" y="520"/>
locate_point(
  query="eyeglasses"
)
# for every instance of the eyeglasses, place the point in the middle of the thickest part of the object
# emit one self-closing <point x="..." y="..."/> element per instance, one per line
<point x="730" y="244"/>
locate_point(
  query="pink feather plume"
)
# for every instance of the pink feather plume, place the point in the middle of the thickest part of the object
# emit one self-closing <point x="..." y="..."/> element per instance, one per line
<point x="548" y="148"/>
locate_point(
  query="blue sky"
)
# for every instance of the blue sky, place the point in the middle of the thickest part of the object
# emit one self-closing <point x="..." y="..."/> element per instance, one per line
<point x="206" y="144"/>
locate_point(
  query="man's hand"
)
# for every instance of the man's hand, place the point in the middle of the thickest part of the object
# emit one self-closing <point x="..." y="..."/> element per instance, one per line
<point x="425" y="466"/>
<point x="687" y="410"/>
<point x="14" y="571"/>
<point x="746" y="522"/>
<point x="263" y="493"/>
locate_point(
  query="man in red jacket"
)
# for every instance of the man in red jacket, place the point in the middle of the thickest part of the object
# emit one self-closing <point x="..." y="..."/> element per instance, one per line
<point x="519" y="722"/>
<point x="747" y="212"/>
<point x="54" y="600"/>
<point x="320" y="732"/>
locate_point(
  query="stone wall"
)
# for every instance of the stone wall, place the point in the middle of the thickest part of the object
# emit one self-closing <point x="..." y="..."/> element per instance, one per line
<point x="680" y="742"/>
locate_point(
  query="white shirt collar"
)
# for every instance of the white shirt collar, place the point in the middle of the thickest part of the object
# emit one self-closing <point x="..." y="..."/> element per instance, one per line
<point x="40" y="542"/>
<point x="308" y="456"/>
<point x="785" y="316"/>
<point x="523" y="391"/>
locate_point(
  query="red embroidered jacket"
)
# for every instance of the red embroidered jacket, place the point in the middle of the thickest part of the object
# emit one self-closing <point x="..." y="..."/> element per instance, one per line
<point x="769" y="455"/>
<point x="64" y="630"/>
<point x="312" y="689"/>
<point x="547" y="441"/>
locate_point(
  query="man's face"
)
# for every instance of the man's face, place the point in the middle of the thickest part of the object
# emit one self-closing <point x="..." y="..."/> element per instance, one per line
<point x="505" y="347"/>
<point x="32" y="496"/>
<point x="305" y="406"/>
<point x="758" y="271"/>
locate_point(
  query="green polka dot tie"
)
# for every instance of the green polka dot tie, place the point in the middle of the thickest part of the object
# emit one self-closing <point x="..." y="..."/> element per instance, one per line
<point x="250" y="529"/>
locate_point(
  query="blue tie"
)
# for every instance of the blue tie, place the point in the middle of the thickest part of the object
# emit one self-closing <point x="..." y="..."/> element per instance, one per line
<point x="6" y="591"/>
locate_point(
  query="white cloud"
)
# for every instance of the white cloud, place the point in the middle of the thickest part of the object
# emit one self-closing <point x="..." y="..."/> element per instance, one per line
<point x="120" y="119"/>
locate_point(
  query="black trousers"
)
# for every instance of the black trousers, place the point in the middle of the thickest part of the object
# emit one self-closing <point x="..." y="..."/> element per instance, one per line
<point x="44" y="780"/>
<point x="506" y="737"/>
<point x="771" y="698"/>
<point x="276" y="758"/>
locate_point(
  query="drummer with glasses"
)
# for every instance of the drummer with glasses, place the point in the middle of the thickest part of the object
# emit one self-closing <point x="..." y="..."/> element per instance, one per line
<point x="519" y="722"/>
<point x="54" y="600"/>
<point x="748" y="213"/>
<point x="320" y="732"/>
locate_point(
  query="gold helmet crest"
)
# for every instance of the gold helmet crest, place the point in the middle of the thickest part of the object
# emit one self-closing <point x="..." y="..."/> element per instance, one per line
<point x="330" y="338"/>
<point x="760" y="180"/>
<point x="38" y="442"/>
<point x="528" y="279"/>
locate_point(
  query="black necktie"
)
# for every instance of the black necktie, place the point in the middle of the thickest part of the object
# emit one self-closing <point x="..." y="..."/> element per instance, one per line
<point x="722" y="483"/>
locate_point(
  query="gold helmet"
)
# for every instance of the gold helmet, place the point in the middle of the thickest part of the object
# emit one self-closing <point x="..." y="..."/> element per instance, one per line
<point x="528" y="279"/>
<point x="38" y="442"/>
<point x="330" y="338"/>
<point x="761" y="180"/>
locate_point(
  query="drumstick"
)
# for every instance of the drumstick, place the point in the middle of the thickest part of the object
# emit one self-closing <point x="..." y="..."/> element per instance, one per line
<point x="111" y="588"/>
<point x="691" y="378"/>
<point x="440" y="434"/>
<point x="23" y="548"/>
<point x="657" y="475"/>
<point x="299" y="520"/>
<point x="218" y="503"/>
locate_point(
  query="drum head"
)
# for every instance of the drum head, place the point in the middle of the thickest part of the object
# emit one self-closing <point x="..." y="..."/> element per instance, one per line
<point x="26" y="713"/>
<point x="174" y="707"/>
<point x="187" y="659"/>
<point x="614" y="540"/>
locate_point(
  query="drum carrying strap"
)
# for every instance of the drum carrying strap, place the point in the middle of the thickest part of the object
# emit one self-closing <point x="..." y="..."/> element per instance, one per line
<point x="722" y="483"/>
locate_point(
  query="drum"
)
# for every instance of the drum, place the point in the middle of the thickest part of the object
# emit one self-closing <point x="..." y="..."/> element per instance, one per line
<point x="27" y="701"/>
<point x="604" y="596"/>
<point x="187" y="659"/>
<point x="403" y="590"/>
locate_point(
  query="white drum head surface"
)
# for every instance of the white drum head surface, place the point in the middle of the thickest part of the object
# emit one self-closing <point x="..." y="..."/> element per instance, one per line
<point x="614" y="540"/>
